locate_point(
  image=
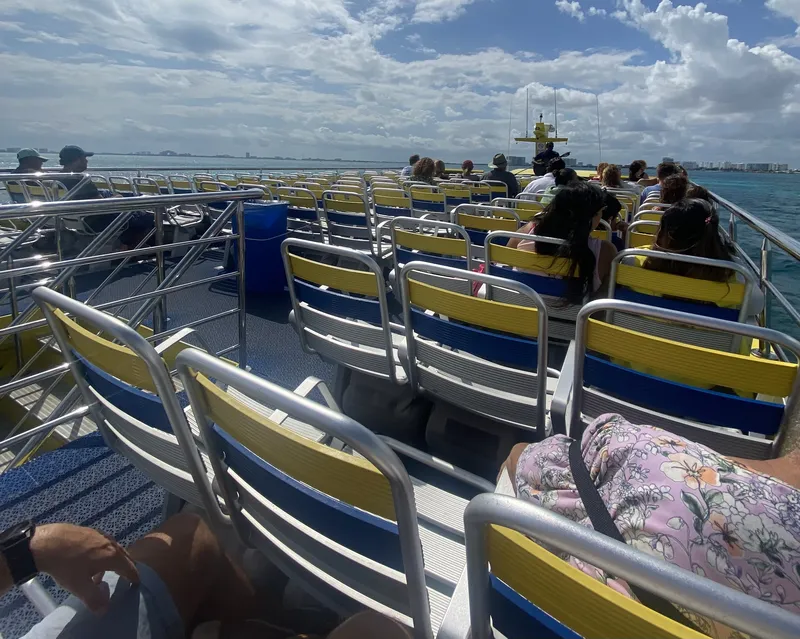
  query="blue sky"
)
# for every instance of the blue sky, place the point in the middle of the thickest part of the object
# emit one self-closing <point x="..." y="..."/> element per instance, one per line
<point x="383" y="79"/>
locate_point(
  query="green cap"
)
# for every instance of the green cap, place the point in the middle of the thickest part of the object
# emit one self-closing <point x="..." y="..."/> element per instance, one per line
<point x="30" y="153"/>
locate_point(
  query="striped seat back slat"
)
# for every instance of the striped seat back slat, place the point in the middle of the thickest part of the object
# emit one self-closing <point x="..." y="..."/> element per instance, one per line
<point x="550" y="286"/>
<point x="430" y="244"/>
<point x="348" y="478"/>
<point x="404" y="257"/>
<point x="342" y="279"/>
<point x="673" y="398"/>
<point x="346" y="219"/>
<point x="508" y="318"/>
<point x="119" y="361"/>
<point x="338" y="304"/>
<point x="502" y="349"/>
<point x="649" y="281"/>
<point x="708" y="367"/>
<point x="707" y="310"/>
<point x="585" y="605"/>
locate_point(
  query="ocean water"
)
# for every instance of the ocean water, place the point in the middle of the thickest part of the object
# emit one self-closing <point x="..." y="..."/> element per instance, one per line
<point x="774" y="198"/>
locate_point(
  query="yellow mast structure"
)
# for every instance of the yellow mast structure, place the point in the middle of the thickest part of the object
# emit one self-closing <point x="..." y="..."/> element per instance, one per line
<point x="541" y="136"/>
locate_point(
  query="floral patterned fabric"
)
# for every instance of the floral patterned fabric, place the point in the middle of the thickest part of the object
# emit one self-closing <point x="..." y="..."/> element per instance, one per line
<point x="679" y="501"/>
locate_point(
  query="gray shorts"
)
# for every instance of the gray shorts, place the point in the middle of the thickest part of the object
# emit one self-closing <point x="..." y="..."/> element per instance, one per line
<point x="145" y="611"/>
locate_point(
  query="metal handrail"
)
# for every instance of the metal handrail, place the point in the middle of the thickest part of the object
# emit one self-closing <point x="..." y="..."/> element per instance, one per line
<point x="770" y="237"/>
<point x="780" y="239"/>
<point x="150" y="302"/>
<point x="62" y="208"/>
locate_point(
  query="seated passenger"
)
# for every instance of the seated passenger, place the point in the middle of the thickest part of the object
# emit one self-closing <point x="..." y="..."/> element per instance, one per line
<point x="663" y="171"/>
<point x="166" y="585"/>
<point x="423" y="171"/>
<point x="539" y="185"/>
<point x="612" y="179"/>
<point x="467" y="167"/>
<point x="573" y="214"/>
<point x="691" y="227"/>
<point x="731" y="520"/>
<point x="562" y="177"/>
<point x="74" y="159"/>
<point x="674" y="189"/>
<point x="599" y="175"/>
<point x="29" y="161"/>
<point x="408" y="170"/>
<point x="699" y="193"/>
<point x="500" y="173"/>
<point x="439" y="170"/>
<point x="637" y="171"/>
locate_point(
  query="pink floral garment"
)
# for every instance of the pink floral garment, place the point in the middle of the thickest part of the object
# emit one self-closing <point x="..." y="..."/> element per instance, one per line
<point x="680" y="501"/>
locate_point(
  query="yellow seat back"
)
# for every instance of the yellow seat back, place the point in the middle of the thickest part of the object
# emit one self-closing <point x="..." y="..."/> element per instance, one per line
<point x="587" y="606"/>
<point x="349" y="478"/>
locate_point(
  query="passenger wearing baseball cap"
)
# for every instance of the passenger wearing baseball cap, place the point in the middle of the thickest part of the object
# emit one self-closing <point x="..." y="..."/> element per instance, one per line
<point x="29" y="161"/>
<point x="499" y="173"/>
<point x="74" y="160"/>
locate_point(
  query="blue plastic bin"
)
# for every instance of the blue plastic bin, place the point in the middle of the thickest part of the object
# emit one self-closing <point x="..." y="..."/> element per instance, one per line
<point x="264" y="230"/>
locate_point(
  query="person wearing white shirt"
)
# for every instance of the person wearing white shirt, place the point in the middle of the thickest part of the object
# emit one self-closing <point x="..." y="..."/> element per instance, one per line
<point x="407" y="171"/>
<point x="548" y="179"/>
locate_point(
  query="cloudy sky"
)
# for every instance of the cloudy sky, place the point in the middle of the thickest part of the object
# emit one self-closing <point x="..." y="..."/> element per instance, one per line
<point x="378" y="79"/>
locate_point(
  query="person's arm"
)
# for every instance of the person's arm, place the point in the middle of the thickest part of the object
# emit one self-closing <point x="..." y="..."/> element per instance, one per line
<point x="513" y="187"/>
<point x="607" y="253"/>
<point x="74" y="556"/>
<point x="513" y="242"/>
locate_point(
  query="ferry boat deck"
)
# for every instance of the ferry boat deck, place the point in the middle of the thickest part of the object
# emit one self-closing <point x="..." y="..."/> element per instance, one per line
<point x="191" y="282"/>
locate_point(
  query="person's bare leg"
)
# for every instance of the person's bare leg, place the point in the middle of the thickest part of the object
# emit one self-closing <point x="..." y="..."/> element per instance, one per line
<point x="203" y="581"/>
<point x="371" y="625"/>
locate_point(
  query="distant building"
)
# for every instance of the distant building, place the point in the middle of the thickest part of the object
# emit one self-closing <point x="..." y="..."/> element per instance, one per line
<point x="666" y="159"/>
<point x="168" y="153"/>
<point x="247" y="155"/>
<point x="758" y="166"/>
<point x="13" y="149"/>
<point x="689" y="165"/>
<point x="44" y="149"/>
<point x="572" y="162"/>
<point x="780" y="168"/>
<point x="517" y="160"/>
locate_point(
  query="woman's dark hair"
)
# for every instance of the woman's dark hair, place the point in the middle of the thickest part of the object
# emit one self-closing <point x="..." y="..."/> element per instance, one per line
<point x="565" y="176"/>
<point x="612" y="176"/>
<point x="691" y="227"/>
<point x="674" y="189"/>
<point x="698" y="192"/>
<point x="439" y="168"/>
<point x="570" y="217"/>
<point x="413" y="159"/>
<point x="636" y="170"/>
<point x="424" y="168"/>
<point x="467" y="166"/>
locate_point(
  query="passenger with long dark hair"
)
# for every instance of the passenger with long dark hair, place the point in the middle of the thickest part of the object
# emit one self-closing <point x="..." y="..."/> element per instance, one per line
<point x="424" y="171"/>
<point x="674" y="189"/>
<point x="691" y="227"/>
<point x="574" y="213"/>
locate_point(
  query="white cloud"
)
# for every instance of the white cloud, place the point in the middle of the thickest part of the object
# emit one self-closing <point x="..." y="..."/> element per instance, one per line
<point x="439" y="10"/>
<point x="572" y="8"/>
<point x="594" y="11"/>
<point x="312" y="77"/>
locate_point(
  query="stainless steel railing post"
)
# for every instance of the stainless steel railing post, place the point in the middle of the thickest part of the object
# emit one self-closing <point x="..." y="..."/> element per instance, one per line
<point x="764" y="274"/>
<point x="12" y="289"/>
<point x="242" y="288"/>
<point x="160" y="310"/>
